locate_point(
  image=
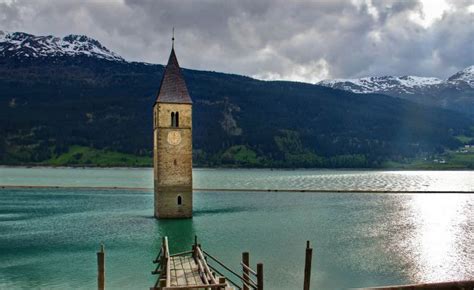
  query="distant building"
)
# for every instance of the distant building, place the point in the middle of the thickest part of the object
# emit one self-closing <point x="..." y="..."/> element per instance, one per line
<point x="172" y="138"/>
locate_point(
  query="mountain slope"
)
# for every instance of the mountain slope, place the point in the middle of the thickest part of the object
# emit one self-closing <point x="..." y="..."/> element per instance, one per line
<point x="54" y="102"/>
<point x="368" y="85"/>
<point x="456" y="93"/>
<point x="466" y="76"/>
<point x="21" y="45"/>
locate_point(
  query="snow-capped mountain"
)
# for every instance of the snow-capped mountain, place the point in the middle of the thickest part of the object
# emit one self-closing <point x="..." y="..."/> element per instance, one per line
<point x="464" y="76"/>
<point x="404" y="84"/>
<point x="455" y="93"/>
<point x="400" y="85"/>
<point x="22" y="45"/>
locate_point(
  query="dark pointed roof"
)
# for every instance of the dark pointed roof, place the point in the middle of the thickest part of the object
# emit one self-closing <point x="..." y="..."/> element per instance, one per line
<point x="173" y="87"/>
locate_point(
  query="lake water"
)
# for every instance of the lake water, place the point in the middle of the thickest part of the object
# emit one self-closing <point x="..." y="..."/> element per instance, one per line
<point x="49" y="236"/>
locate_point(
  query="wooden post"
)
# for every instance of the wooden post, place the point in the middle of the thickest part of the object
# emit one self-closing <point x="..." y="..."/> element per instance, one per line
<point x="222" y="280"/>
<point x="246" y="273"/>
<point x="259" y="276"/>
<point x="307" y="266"/>
<point x="194" y="247"/>
<point x="101" y="268"/>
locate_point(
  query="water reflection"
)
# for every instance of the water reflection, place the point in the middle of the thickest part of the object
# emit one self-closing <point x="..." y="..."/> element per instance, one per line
<point x="180" y="233"/>
<point x="443" y="231"/>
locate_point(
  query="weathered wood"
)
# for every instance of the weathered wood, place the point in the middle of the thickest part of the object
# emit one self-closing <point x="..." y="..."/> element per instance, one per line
<point x="245" y="271"/>
<point x="210" y="286"/>
<point x="259" y="276"/>
<point x="185" y="271"/>
<point x="235" y="285"/>
<point x="307" y="266"/>
<point x="202" y="272"/>
<point x="101" y="268"/>
<point x="248" y="268"/>
<point x="221" y="264"/>
<point x="181" y="254"/>
<point x="195" y="271"/>
<point x="251" y="283"/>
<point x="167" y="261"/>
<point x="162" y="283"/>
<point x="157" y="259"/>
<point x="206" y="267"/>
<point x="189" y="270"/>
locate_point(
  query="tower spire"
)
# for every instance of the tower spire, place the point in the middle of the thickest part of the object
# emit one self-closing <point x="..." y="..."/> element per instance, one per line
<point x="173" y="87"/>
<point x="172" y="40"/>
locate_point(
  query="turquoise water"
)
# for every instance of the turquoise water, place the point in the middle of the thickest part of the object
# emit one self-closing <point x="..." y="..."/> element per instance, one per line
<point x="48" y="237"/>
<point x="248" y="179"/>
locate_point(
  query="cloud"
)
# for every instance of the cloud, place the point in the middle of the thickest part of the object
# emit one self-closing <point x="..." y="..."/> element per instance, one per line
<point x="269" y="39"/>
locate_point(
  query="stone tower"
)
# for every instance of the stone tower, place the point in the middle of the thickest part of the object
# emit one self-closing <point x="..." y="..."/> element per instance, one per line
<point x="172" y="138"/>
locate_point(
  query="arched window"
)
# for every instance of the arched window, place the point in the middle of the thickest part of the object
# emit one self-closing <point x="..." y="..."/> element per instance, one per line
<point x="177" y="119"/>
<point x="175" y="163"/>
<point x="172" y="119"/>
<point x="179" y="200"/>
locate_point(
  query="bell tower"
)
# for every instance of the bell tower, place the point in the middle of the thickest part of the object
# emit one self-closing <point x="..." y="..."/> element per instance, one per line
<point x="172" y="150"/>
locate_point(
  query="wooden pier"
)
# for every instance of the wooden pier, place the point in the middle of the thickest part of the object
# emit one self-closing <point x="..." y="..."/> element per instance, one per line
<point x="191" y="270"/>
<point x="197" y="269"/>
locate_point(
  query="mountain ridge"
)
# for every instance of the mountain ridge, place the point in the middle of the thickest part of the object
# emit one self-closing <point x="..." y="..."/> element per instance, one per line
<point x="21" y="44"/>
<point x="380" y="83"/>
<point x="50" y="105"/>
<point x="455" y="93"/>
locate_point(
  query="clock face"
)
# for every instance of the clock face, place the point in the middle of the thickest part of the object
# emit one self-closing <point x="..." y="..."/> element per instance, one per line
<point x="174" y="138"/>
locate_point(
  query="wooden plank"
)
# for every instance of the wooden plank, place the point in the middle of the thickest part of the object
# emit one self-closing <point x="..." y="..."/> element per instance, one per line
<point x="307" y="266"/>
<point x="181" y="280"/>
<point x="245" y="270"/>
<point x="206" y="267"/>
<point x="259" y="276"/>
<point x="167" y="259"/>
<point x="195" y="271"/>
<point x="202" y="271"/>
<point x="173" y="279"/>
<point x="184" y="271"/>
<point x="188" y="271"/>
<point x="101" y="268"/>
<point x="180" y="272"/>
<point x="211" y="286"/>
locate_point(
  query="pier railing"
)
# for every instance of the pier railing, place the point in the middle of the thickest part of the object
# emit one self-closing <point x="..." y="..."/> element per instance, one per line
<point x="248" y="280"/>
<point x="163" y="269"/>
<point x="213" y="273"/>
<point x="163" y="266"/>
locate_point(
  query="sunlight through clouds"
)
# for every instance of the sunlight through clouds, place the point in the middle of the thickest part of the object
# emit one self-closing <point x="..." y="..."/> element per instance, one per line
<point x="300" y="41"/>
<point x="431" y="11"/>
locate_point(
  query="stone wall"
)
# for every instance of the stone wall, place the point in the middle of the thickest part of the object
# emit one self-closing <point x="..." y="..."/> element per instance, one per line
<point x="173" y="162"/>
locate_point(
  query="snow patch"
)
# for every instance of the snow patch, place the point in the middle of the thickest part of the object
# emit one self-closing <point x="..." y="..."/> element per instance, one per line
<point x="466" y="76"/>
<point x="398" y="84"/>
<point x="23" y="44"/>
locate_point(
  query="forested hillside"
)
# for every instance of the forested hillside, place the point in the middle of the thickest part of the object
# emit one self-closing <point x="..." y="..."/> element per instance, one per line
<point x="83" y="110"/>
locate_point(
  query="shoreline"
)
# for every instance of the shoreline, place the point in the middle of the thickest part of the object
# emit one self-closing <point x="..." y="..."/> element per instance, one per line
<point x="240" y="168"/>
<point x="238" y="189"/>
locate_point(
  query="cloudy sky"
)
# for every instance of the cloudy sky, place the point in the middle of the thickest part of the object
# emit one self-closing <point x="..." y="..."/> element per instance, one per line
<point x="268" y="39"/>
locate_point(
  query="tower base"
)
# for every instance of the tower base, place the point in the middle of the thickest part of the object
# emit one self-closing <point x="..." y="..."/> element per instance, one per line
<point x="173" y="203"/>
